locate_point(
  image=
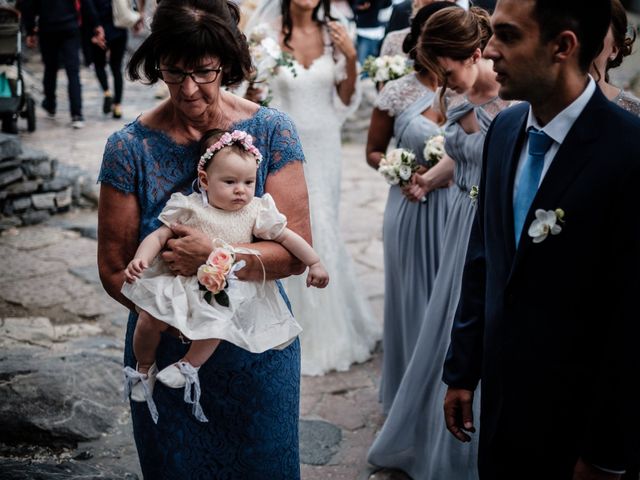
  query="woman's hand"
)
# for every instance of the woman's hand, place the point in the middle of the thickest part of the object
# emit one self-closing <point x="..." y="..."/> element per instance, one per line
<point x="187" y="251"/>
<point x="341" y="40"/>
<point x="417" y="189"/>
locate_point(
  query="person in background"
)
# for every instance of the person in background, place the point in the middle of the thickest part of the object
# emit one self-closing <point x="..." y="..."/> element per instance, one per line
<point x="56" y="24"/>
<point x="371" y="17"/>
<point x="617" y="45"/>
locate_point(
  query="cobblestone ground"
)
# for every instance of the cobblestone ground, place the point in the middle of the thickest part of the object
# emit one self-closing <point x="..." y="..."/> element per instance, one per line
<point x="70" y="314"/>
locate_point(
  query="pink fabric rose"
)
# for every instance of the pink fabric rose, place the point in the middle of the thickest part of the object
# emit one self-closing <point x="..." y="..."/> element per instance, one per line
<point x="212" y="278"/>
<point x="222" y="259"/>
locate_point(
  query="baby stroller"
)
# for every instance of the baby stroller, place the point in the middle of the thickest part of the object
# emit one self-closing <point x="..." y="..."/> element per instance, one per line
<point x="14" y="102"/>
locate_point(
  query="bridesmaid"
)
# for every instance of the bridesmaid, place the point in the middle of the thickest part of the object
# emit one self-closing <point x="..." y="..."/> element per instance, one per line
<point x="412" y="230"/>
<point x="414" y="438"/>
<point x="617" y="45"/>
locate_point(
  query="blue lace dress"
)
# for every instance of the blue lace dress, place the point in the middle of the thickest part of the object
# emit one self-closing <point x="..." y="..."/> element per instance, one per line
<point x="251" y="400"/>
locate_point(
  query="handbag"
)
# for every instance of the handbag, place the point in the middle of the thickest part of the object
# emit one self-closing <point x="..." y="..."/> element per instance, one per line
<point x="124" y="15"/>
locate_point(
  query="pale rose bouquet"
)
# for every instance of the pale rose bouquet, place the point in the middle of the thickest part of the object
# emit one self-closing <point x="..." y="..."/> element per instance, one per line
<point x="214" y="275"/>
<point x="434" y="150"/>
<point x="267" y="58"/>
<point x="385" y="68"/>
<point x="398" y="166"/>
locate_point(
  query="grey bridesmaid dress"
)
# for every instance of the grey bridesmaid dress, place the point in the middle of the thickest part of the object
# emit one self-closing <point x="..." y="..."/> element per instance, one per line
<point x="414" y="437"/>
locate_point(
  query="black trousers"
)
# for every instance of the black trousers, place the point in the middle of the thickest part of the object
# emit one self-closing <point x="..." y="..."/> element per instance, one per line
<point x="116" y="48"/>
<point x="61" y="48"/>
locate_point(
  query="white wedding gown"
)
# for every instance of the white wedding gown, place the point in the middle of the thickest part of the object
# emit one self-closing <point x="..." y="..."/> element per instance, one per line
<point x="338" y="325"/>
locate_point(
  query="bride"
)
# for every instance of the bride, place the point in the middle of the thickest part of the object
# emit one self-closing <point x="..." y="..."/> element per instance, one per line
<point x="319" y="92"/>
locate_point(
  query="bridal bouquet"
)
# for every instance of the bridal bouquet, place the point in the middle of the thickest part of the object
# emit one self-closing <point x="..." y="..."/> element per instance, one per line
<point x="385" y="68"/>
<point x="433" y="150"/>
<point x="267" y="58"/>
<point x="398" y="166"/>
<point x="214" y="275"/>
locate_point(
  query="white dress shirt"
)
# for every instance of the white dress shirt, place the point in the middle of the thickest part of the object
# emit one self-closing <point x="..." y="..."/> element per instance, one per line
<point x="557" y="129"/>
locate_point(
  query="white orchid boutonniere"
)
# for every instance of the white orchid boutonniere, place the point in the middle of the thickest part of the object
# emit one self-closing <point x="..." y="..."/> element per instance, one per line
<point x="546" y="222"/>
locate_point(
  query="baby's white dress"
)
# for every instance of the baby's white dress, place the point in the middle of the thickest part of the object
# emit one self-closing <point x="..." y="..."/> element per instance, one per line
<point x="257" y="318"/>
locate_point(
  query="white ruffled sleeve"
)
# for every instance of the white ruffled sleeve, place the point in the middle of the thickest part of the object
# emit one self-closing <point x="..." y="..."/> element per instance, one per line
<point x="269" y="222"/>
<point x="177" y="210"/>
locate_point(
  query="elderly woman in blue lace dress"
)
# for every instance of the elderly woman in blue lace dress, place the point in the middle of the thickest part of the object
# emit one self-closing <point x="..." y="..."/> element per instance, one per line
<point x="252" y="400"/>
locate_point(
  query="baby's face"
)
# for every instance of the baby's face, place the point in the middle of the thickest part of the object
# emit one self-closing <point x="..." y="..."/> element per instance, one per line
<point x="231" y="179"/>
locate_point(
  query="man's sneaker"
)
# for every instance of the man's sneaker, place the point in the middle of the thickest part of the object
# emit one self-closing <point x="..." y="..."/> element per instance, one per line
<point x="51" y="111"/>
<point x="77" y="121"/>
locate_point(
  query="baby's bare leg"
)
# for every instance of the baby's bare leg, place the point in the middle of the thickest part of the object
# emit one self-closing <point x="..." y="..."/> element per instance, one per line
<point x="200" y="351"/>
<point x="146" y="339"/>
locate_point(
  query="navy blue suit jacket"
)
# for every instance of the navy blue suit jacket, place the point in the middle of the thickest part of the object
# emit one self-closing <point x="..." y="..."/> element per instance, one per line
<point x="552" y="329"/>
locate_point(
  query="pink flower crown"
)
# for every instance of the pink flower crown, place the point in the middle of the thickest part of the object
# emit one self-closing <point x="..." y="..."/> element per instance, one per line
<point x="237" y="137"/>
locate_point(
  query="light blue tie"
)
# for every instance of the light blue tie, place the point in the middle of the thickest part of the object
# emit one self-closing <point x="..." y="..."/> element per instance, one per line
<point x="539" y="144"/>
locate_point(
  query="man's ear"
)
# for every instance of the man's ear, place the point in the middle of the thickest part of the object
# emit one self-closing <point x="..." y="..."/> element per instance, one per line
<point x="565" y="46"/>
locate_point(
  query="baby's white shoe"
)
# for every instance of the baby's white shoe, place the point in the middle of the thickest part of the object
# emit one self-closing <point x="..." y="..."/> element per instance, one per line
<point x="183" y="374"/>
<point x="135" y="383"/>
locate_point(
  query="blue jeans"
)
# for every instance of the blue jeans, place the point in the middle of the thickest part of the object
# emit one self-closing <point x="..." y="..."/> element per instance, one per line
<point x="56" y="48"/>
<point x="367" y="46"/>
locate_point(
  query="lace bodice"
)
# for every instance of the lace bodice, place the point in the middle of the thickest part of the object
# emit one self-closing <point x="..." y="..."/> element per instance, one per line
<point x="392" y="44"/>
<point x="398" y="94"/>
<point x="260" y="218"/>
<point x="628" y="101"/>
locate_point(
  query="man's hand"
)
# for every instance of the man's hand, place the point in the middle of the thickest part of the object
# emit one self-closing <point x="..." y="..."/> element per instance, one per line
<point x="98" y="37"/>
<point x="584" y="471"/>
<point x="188" y="251"/>
<point x="458" y="413"/>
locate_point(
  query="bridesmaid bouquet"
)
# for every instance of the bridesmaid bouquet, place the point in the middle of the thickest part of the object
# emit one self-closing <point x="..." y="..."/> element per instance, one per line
<point x="398" y="166"/>
<point x="385" y="68"/>
<point x="267" y="58"/>
<point x="434" y="150"/>
<point x="214" y="275"/>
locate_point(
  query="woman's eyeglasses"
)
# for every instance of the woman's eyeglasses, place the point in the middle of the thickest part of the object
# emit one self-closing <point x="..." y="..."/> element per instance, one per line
<point x="200" y="76"/>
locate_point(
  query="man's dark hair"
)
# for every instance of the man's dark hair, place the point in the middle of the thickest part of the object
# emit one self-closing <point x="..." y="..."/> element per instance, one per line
<point x="188" y="31"/>
<point x="588" y="20"/>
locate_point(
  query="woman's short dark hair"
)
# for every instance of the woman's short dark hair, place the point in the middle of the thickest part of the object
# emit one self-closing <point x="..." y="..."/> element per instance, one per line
<point x="623" y="36"/>
<point x="421" y="17"/>
<point x="188" y="31"/>
<point x="589" y="21"/>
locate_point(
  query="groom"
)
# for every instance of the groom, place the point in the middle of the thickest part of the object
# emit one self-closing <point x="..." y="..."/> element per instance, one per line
<point x="549" y="318"/>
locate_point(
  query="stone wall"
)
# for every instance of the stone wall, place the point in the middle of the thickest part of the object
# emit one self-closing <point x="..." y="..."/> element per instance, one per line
<point x="34" y="186"/>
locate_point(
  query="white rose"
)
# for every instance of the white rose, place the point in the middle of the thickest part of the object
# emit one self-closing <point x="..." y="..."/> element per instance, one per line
<point x="404" y="172"/>
<point x="395" y="156"/>
<point x="271" y="47"/>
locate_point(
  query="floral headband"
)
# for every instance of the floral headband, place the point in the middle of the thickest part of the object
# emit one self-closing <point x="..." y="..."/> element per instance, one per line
<point x="237" y="137"/>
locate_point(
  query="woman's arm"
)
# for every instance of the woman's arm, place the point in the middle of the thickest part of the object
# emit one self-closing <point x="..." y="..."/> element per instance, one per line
<point x="118" y="230"/>
<point x="289" y="190"/>
<point x="343" y="43"/>
<point x="379" y="136"/>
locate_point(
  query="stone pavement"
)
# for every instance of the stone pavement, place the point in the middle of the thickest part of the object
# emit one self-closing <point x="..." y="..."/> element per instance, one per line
<point x="62" y="336"/>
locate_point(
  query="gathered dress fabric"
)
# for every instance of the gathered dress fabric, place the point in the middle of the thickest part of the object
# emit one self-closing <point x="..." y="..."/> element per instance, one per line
<point x="414" y="437"/>
<point x="338" y="326"/>
<point x="251" y="400"/>
<point x="257" y="318"/>
<point x="412" y="235"/>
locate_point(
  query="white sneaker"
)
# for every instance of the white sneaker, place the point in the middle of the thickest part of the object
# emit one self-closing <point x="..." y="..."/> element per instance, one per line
<point x="77" y="122"/>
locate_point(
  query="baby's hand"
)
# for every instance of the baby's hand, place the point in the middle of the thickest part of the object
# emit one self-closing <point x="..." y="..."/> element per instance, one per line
<point x="134" y="269"/>
<point x="318" y="276"/>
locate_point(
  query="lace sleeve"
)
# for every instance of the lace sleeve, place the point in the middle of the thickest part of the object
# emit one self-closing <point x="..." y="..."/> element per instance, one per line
<point x="118" y="165"/>
<point x="284" y="146"/>
<point x="398" y="94"/>
<point x="392" y="44"/>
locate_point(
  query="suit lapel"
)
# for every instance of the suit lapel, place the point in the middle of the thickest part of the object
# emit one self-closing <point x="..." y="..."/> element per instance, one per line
<point x="571" y="158"/>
